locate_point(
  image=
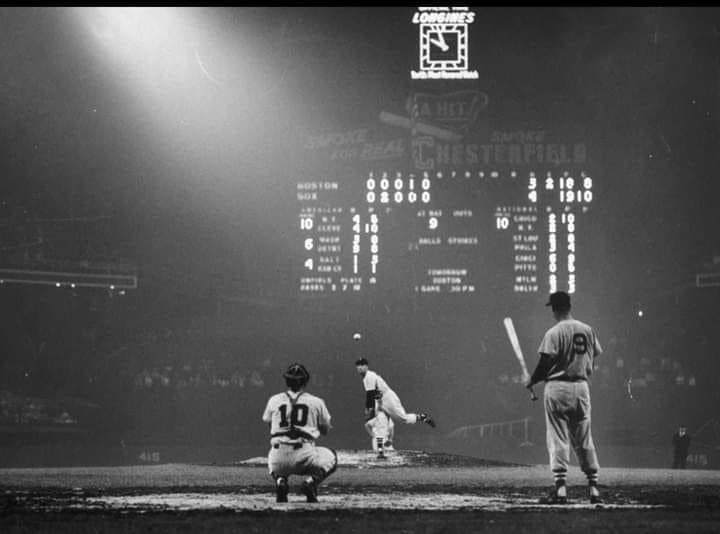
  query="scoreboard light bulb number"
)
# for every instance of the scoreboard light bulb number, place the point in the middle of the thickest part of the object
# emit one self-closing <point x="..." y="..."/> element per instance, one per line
<point x="432" y="223"/>
<point x="309" y="243"/>
<point x="502" y="223"/>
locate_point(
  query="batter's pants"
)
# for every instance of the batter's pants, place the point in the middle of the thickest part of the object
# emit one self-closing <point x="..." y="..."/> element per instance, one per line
<point x="301" y="458"/>
<point x="390" y="403"/>
<point x="567" y="417"/>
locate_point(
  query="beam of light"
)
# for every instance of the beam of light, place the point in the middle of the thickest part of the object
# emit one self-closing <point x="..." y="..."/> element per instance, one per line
<point x="144" y="26"/>
<point x="194" y="82"/>
<point x="145" y="44"/>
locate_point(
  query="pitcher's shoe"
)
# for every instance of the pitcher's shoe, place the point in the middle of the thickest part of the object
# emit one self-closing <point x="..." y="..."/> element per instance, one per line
<point x="425" y="418"/>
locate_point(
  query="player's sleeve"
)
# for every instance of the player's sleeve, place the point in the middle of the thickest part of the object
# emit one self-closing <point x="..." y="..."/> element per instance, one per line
<point x="548" y="350"/>
<point x="549" y="344"/>
<point x="370" y="397"/>
<point x="368" y="381"/>
<point x="324" y="418"/>
<point x="267" y="414"/>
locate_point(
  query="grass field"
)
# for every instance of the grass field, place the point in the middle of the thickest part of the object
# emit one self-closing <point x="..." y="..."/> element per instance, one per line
<point x="410" y="492"/>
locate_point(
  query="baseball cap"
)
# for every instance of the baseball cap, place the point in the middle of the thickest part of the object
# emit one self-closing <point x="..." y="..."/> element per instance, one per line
<point x="361" y="361"/>
<point x="559" y="299"/>
<point x="297" y="371"/>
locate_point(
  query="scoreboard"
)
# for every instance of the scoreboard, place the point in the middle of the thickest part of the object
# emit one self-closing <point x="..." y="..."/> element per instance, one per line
<point x="447" y="231"/>
<point x="481" y="205"/>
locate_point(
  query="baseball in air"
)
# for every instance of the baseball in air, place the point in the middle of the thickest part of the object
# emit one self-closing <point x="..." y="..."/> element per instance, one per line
<point x="357" y="336"/>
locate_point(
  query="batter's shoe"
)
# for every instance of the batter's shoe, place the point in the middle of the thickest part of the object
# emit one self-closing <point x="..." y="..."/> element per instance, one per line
<point x="309" y="488"/>
<point x="425" y="418"/>
<point x="595" y="496"/>
<point x="381" y="455"/>
<point x="556" y="496"/>
<point x="281" y="489"/>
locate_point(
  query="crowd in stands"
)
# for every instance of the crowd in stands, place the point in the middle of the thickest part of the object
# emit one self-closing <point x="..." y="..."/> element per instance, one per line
<point x="203" y="375"/>
<point x="19" y="410"/>
<point x="618" y="366"/>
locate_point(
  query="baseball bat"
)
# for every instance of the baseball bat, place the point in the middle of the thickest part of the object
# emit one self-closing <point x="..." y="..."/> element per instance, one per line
<point x="515" y="342"/>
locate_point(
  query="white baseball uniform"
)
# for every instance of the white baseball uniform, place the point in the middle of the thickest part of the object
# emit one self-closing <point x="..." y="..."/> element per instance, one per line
<point x="388" y="400"/>
<point x="572" y="347"/>
<point x="294" y="426"/>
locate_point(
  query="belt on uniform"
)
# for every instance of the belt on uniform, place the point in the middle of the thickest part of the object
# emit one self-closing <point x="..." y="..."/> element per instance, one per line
<point x="293" y="445"/>
<point x="567" y="379"/>
<point x="293" y="433"/>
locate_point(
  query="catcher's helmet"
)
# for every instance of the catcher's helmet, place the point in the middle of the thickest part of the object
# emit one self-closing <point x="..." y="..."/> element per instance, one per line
<point x="297" y="372"/>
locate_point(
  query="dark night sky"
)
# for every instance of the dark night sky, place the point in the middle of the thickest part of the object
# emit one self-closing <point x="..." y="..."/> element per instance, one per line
<point x="192" y="167"/>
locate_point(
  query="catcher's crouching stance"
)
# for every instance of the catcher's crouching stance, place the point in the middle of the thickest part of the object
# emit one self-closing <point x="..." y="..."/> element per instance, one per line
<point x="296" y="420"/>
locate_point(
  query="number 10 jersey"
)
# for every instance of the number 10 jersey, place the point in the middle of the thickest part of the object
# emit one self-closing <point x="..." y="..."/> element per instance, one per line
<point x="295" y="416"/>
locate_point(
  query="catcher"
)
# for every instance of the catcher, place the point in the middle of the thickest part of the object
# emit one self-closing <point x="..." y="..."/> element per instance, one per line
<point x="296" y="420"/>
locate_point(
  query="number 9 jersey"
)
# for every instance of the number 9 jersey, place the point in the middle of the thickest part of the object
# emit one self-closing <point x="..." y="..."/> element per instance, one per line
<point x="295" y="416"/>
<point x="572" y="346"/>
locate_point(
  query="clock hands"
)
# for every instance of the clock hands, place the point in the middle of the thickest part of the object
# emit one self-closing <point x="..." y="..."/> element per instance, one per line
<point x="440" y="43"/>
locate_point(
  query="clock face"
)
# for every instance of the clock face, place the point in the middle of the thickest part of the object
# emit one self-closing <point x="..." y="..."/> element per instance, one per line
<point x="443" y="47"/>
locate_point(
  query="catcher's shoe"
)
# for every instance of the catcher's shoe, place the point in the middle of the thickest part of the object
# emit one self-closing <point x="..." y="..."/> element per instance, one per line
<point x="556" y="496"/>
<point x="425" y="418"/>
<point x="309" y="488"/>
<point x="281" y="489"/>
<point x="595" y="496"/>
